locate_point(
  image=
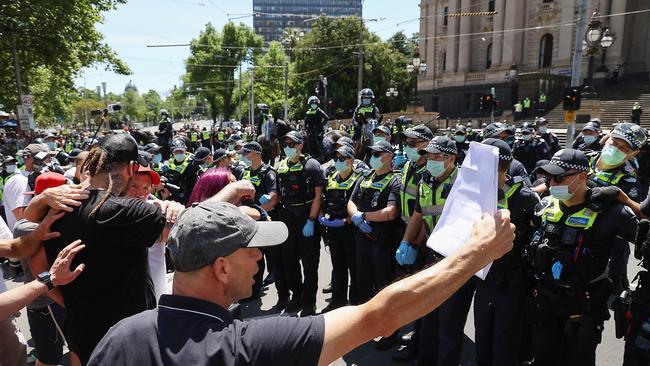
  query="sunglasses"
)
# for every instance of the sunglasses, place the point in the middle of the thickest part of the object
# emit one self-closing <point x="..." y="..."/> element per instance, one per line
<point x="413" y="143"/>
<point x="291" y="144"/>
<point x="340" y="158"/>
<point x="560" y="178"/>
<point x="378" y="154"/>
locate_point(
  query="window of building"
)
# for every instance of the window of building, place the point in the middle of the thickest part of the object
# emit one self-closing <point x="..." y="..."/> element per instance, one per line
<point x="446" y="16"/>
<point x="548" y="1"/>
<point x="444" y="61"/>
<point x="546" y="51"/>
<point x="488" y="56"/>
<point x="491" y="6"/>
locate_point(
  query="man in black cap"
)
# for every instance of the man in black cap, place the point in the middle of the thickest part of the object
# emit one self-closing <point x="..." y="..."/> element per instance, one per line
<point x="499" y="299"/>
<point x="338" y="229"/>
<point x="613" y="165"/>
<point x="117" y="232"/>
<point x="264" y="179"/>
<point x="374" y="210"/>
<point x="541" y="125"/>
<point x="432" y="192"/>
<point x="462" y="139"/>
<point x="528" y="149"/>
<point x="213" y="247"/>
<point x="300" y="182"/>
<point x="199" y="163"/>
<point x="175" y="170"/>
<point x="589" y="139"/>
<point x="501" y="131"/>
<point x="580" y="251"/>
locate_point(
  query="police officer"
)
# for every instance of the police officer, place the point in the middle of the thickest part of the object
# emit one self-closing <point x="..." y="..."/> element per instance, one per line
<point x="578" y="254"/>
<point x="589" y="139"/>
<point x="415" y="139"/>
<point x="195" y="139"/>
<point x="315" y="124"/>
<point x="461" y="138"/>
<point x="501" y="131"/>
<point x="205" y="138"/>
<point x="358" y="166"/>
<point x="499" y="300"/>
<point x="165" y="133"/>
<point x="374" y="210"/>
<point x="381" y="133"/>
<point x="220" y="139"/>
<point x="365" y="111"/>
<point x="264" y="179"/>
<point x="175" y="170"/>
<point x="266" y="126"/>
<point x="433" y="189"/>
<point x="541" y="125"/>
<point x="222" y="159"/>
<point x="157" y="159"/>
<point x="200" y="162"/>
<point x="529" y="148"/>
<point x="338" y="228"/>
<point x="300" y="181"/>
<point x="613" y="165"/>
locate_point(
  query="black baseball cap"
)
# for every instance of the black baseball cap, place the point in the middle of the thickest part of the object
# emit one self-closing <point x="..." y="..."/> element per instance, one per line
<point x="201" y="153"/>
<point x="565" y="160"/>
<point x="209" y="230"/>
<point x="440" y="144"/>
<point x="419" y="132"/>
<point x="382" y="146"/>
<point x="505" y="153"/>
<point x="382" y="129"/>
<point x="346" y="152"/>
<point x="591" y="126"/>
<point x="252" y="146"/>
<point x="219" y="154"/>
<point x="296" y="136"/>
<point x="121" y="148"/>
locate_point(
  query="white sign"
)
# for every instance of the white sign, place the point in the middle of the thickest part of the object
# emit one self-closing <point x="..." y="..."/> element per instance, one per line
<point x="26" y="117"/>
<point x="474" y="193"/>
<point x="27" y="100"/>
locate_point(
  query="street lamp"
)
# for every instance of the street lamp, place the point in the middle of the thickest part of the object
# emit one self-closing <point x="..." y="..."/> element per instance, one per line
<point x="391" y="92"/>
<point x="597" y="37"/>
<point x="417" y="66"/>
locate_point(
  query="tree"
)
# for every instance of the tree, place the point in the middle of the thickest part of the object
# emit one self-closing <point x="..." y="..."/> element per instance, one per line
<point x="133" y="106"/>
<point x="213" y="61"/>
<point x="153" y="104"/>
<point x="269" y="79"/>
<point x="54" y="40"/>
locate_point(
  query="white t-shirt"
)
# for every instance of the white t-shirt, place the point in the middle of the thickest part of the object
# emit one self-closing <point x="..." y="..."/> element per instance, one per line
<point x="5" y="234"/>
<point x="70" y="173"/>
<point x="14" y="196"/>
<point x="158" y="269"/>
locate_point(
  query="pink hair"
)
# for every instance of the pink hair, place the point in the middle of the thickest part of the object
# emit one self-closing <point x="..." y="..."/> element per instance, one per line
<point x="209" y="184"/>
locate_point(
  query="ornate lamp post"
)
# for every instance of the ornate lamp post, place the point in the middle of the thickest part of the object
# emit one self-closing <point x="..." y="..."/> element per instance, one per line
<point x="597" y="37"/>
<point x="391" y="93"/>
<point x="418" y="66"/>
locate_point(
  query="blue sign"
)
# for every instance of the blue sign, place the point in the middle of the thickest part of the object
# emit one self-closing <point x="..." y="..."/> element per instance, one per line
<point x="565" y="72"/>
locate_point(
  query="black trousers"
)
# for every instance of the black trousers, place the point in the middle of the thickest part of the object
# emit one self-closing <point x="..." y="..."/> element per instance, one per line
<point x="498" y="319"/>
<point x="342" y="250"/>
<point x="298" y="250"/>
<point x="452" y="315"/>
<point x="375" y="260"/>
<point x="274" y="264"/>
<point x="564" y="332"/>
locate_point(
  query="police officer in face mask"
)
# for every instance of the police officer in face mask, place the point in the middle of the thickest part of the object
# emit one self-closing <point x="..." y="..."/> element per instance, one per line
<point x="175" y="169"/>
<point x="529" y="148"/>
<point x="374" y="210"/>
<point x="300" y="181"/>
<point x="338" y="228"/>
<point x="432" y="192"/>
<point x="502" y="132"/>
<point x="415" y="139"/>
<point x="541" y="125"/>
<point x="589" y="138"/>
<point x="499" y="300"/>
<point x="613" y="166"/>
<point x="461" y="137"/>
<point x="365" y="111"/>
<point x="381" y="133"/>
<point x="579" y="251"/>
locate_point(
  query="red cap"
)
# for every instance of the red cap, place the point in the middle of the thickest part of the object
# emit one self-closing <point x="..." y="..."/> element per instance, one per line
<point x="155" y="177"/>
<point x="45" y="181"/>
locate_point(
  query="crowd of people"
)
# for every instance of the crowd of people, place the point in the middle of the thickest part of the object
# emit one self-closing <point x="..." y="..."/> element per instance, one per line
<point x="232" y="211"/>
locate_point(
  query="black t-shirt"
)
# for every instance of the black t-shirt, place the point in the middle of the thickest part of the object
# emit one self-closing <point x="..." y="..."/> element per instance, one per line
<point x="115" y="283"/>
<point x="189" y="331"/>
<point x="268" y="182"/>
<point x="388" y="196"/>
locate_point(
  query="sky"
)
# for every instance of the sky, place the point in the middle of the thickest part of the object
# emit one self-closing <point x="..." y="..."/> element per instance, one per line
<point x="138" y="23"/>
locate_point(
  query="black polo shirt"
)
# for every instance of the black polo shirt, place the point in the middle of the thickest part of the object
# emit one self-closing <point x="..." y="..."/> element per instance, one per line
<point x="188" y="331"/>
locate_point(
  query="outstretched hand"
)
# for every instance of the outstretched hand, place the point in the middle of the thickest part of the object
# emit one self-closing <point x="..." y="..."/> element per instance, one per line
<point x="60" y="273"/>
<point x="494" y="234"/>
<point x="65" y="197"/>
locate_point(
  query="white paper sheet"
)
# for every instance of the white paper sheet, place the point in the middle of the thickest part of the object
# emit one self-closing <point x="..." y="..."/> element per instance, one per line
<point x="473" y="193"/>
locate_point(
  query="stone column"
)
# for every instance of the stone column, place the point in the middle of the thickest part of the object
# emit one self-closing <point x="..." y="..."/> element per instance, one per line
<point x="464" y="44"/>
<point x="497" y="36"/>
<point x="452" y="40"/>
<point x="565" y="41"/>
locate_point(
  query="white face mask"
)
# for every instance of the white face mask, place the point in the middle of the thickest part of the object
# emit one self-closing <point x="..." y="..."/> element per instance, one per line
<point x="10" y="169"/>
<point x="527" y="137"/>
<point x="561" y="192"/>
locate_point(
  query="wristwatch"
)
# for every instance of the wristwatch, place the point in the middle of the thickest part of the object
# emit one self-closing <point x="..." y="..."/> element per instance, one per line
<point x="363" y="216"/>
<point x="44" y="278"/>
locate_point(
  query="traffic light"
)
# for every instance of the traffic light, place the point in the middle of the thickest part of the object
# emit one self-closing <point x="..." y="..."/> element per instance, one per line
<point x="571" y="101"/>
<point x="487" y="102"/>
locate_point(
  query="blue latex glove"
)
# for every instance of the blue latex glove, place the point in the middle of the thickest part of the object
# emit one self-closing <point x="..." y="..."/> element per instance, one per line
<point x="266" y="198"/>
<point x="399" y="160"/>
<point x="362" y="224"/>
<point x="557" y="270"/>
<point x="357" y="218"/>
<point x="405" y="254"/>
<point x="308" y="229"/>
<point x="331" y="223"/>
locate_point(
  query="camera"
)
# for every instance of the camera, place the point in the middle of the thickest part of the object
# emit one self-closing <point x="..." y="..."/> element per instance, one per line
<point x="96" y="112"/>
<point x="114" y="108"/>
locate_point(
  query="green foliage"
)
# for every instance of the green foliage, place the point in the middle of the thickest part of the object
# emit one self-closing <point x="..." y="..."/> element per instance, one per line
<point x="54" y="40"/>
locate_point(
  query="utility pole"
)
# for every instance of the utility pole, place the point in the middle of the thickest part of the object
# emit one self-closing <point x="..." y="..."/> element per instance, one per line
<point x="286" y="92"/>
<point x="85" y="104"/>
<point x="253" y="96"/>
<point x="360" y="66"/>
<point x="16" y="66"/>
<point x="239" y="107"/>
<point x="576" y="73"/>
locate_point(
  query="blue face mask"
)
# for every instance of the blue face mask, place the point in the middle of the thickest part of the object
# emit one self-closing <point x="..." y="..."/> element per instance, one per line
<point x="157" y="159"/>
<point x="245" y="160"/>
<point x="612" y="156"/>
<point x="340" y="166"/>
<point x="51" y="145"/>
<point x="589" y="139"/>
<point x="376" y="139"/>
<point x="459" y="138"/>
<point x="411" y="153"/>
<point x="179" y="157"/>
<point x="436" y="168"/>
<point x="376" y="163"/>
<point x="20" y="160"/>
<point x="313" y="106"/>
<point x="366" y="101"/>
<point x="543" y="130"/>
<point x="561" y="192"/>
<point x="290" y="152"/>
